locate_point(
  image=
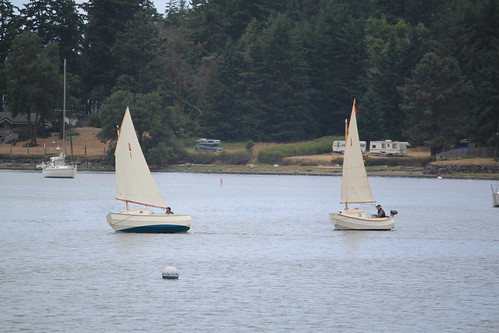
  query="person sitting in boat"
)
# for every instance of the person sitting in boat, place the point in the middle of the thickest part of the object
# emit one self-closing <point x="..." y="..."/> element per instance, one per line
<point x="381" y="212"/>
<point x="168" y="210"/>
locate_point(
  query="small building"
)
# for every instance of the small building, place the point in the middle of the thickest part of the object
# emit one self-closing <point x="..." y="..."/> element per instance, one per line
<point x="9" y="124"/>
<point x="388" y="147"/>
<point x="208" y="144"/>
<point x="339" y="146"/>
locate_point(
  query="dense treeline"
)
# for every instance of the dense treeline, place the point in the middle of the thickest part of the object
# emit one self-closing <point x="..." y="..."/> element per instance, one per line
<point x="422" y="71"/>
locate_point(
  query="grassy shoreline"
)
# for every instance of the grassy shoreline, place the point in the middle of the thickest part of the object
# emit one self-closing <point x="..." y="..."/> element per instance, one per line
<point x="261" y="169"/>
<point x="91" y="155"/>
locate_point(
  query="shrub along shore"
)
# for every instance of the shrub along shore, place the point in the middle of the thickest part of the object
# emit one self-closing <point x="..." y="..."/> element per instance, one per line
<point x="388" y="167"/>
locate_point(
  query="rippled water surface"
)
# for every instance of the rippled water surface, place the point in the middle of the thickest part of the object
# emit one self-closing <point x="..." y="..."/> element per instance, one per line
<point x="263" y="257"/>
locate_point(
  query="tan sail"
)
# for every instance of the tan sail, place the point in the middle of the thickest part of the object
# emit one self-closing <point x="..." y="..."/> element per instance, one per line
<point x="355" y="185"/>
<point x="134" y="182"/>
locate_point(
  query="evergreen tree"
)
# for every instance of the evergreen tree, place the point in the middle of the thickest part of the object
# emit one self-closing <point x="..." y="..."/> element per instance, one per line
<point x="478" y="53"/>
<point x="34" y="81"/>
<point x="411" y="11"/>
<point x="394" y="50"/>
<point x="8" y="31"/>
<point x="59" y="22"/>
<point x="280" y="84"/>
<point x="107" y="19"/>
<point x="56" y="21"/>
<point x="185" y="82"/>
<point x="267" y="70"/>
<point x="215" y="22"/>
<point x="436" y="100"/>
<point x="226" y="116"/>
<point x="136" y="52"/>
<point x="336" y="56"/>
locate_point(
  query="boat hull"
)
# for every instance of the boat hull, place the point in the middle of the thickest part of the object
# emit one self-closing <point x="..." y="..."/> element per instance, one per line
<point x="66" y="171"/>
<point x="356" y="219"/>
<point x="495" y="199"/>
<point x="495" y="195"/>
<point x="143" y="221"/>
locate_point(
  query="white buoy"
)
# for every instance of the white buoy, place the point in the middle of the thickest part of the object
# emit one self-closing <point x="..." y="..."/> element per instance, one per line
<point x="170" y="272"/>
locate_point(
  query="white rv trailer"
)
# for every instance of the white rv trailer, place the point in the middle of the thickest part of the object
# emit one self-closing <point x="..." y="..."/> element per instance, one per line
<point x="208" y="144"/>
<point x="339" y="146"/>
<point x="388" y="147"/>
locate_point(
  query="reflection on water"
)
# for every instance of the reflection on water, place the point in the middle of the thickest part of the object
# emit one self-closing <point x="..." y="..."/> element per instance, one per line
<point x="263" y="257"/>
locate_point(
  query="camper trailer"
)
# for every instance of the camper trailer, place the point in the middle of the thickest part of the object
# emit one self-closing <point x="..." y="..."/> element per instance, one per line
<point x="208" y="144"/>
<point x="339" y="146"/>
<point x="388" y="148"/>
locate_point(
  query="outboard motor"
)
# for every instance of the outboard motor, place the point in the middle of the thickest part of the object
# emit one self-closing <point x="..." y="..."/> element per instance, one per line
<point x="393" y="212"/>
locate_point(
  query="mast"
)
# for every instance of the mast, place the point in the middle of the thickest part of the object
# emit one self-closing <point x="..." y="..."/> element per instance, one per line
<point x="64" y="112"/>
<point x="344" y="151"/>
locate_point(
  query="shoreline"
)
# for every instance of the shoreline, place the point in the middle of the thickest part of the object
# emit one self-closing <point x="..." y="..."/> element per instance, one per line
<point x="92" y="156"/>
<point x="404" y="172"/>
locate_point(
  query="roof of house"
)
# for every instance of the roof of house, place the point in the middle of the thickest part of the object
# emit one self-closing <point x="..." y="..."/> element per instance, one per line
<point x="20" y="119"/>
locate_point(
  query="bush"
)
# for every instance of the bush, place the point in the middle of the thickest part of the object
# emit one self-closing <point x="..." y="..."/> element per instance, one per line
<point x="317" y="146"/>
<point x="337" y="160"/>
<point x="94" y="120"/>
<point x="391" y="161"/>
<point x="237" y="158"/>
<point x="270" y="156"/>
<point x="201" y="158"/>
<point x="181" y="154"/>
<point x="23" y="133"/>
<point x="249" y="146"/>
<point x="160" y="155"/>
<point x="399" y="161"/>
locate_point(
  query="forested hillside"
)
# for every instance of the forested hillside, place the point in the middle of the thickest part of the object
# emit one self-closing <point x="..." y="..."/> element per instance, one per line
<point x="426" y="72"/>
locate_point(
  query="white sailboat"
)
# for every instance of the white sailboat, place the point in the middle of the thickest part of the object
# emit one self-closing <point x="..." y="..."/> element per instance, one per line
<point x="57" y="166"/>
<point x="355" y="188"/>
<point x="135" y="185"/>
<point x="495" y="195"/>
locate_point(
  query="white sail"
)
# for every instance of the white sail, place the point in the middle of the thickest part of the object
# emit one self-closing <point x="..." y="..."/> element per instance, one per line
<point x="134" y="182"/>
<point x="355" y="185"/>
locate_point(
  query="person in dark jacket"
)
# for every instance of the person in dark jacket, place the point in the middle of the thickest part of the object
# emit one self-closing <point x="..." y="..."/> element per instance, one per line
<point x="381" y="212"/>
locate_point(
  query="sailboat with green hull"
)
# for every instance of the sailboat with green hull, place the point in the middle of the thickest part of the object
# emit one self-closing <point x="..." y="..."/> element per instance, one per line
<point x="136" y="186"/>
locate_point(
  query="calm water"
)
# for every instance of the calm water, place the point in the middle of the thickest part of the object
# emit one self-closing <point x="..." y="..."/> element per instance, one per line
<point x="263" y="257"/>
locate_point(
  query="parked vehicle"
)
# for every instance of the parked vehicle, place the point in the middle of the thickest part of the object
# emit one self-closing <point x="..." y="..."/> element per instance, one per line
<point x="208" y="144"/>
<point x="339" y="146"/>
<point x="388" y="147"/>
